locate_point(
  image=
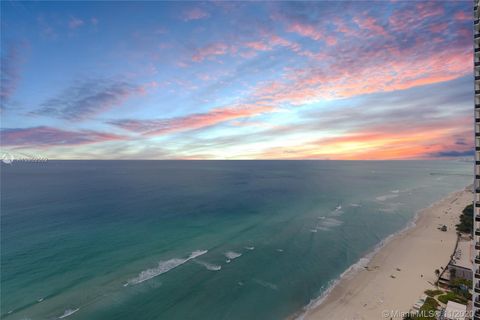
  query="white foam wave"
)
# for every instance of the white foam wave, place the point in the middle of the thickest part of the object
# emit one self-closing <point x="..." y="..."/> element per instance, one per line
<point x="163" y="266"/>
<point x="68" y="313"/>
<point x="209" y="266"/>
<point x="353" y="269"/>
<point x="386" y="197"/>
<point x="338" y="210"/>
<point x="355" y="205"/>
<point x="250" y="248"/>
<point x="391" y="207"/>
<point x="232" y="255"/>
<point x="328" y="223"/>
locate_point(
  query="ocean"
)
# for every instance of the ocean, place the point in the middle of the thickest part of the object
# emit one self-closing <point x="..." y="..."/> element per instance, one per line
<point x="198" y="239"/>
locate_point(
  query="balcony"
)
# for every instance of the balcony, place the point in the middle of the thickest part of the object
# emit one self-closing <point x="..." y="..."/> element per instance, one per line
<point x="477" y="233"/>
<point x="477" y="258"/>
<point x="477" y="303"/>
<point x="477" y="288"/>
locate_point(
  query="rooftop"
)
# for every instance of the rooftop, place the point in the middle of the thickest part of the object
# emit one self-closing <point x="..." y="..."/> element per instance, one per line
<point x="463" y="255"/>
<point x="455" y="311"/>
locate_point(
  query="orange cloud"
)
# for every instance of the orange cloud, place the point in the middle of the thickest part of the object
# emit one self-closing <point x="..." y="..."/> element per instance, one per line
<point x="380" y="145"/>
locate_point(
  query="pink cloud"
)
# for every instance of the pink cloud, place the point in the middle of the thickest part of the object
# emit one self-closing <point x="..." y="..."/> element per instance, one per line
<point x="193" y="121"/>
<point x="370" y="24"/>
<point x="305" y="30"/>
<point x="379" y="71"/>
<point x="48" y="136"/>
<point x="245" y="49"/>
<point x="195" y="14"/>
<point x="405" y="20"/>
<point x="312" y="32"/>
<point x="463" y="16"/>
<point x="427" y="9"/>
<point x="438" y="28"/>
<point x="75" y="23"/>
<point x="331" y="41"/>
<point x="211" y="50"/>
<point x="258" y="45"/>
<point x="341" y="26"/>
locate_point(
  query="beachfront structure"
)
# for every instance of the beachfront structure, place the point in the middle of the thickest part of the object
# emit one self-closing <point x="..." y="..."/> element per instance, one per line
<point x="461" y="264"/>
<point x="454" y="311"/>
<point x="476" y="205"/>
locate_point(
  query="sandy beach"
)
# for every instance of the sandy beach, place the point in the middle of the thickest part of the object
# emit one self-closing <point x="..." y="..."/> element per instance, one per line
<point x="399" y="273"/>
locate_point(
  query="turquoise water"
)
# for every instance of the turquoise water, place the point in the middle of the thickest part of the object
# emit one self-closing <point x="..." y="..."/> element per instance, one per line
<point x="197" y="239"/>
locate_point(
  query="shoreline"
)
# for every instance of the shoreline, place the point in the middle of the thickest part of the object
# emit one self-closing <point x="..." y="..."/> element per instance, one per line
<point x="368" y="288"/>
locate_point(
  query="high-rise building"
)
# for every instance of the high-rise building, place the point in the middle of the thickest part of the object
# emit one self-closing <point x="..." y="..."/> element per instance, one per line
<point x="476" y="205"/>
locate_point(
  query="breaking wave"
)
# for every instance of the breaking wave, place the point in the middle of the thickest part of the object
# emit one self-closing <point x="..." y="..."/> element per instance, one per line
<point x="209" y="266"/>
<point x="68" y="313"/>
<point x="232" y="255"/>
<point x="163" y="266"/>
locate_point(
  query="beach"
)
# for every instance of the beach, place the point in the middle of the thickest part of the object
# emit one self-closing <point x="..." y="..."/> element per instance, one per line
<point x="398" y="273"/>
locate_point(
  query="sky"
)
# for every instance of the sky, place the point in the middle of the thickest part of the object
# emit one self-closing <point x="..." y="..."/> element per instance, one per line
<point x="342" y="80"/>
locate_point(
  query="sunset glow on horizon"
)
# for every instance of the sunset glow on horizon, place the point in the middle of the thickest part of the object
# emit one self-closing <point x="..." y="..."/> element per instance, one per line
<point x="237" y="80"/>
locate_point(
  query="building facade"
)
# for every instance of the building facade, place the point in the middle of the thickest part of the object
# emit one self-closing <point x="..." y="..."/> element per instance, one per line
<point x="476" y="205"/>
